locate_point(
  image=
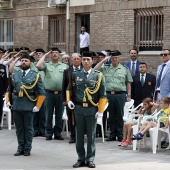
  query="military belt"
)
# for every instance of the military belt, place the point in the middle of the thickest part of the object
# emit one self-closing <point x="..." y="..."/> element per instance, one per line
<point x="115" y="92"/>
<point x="84" y="104"/>
<point x="53" y="92"/>
<point x="30" y="94"/>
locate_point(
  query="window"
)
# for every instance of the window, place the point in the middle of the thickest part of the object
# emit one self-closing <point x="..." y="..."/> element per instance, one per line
<point x="6" y="33"/>
<point x="149" y="29"/>
<point x="58" y="31"/>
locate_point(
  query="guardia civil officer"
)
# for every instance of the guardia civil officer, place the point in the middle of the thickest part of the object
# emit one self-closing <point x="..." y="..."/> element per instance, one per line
<point x="3" y="86"/>
<point x="28" y="96"/>
<point x="89" y="100"/>
<point x="53" y="86"/>
<point x="118" y="81"/>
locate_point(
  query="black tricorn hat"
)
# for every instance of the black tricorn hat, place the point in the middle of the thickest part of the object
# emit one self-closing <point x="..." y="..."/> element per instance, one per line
<point x="1" y="50"/>
<point x="87" y="54"/>
<point x="101" y="54"/>
<point x="40" y="50"/>
<point x="115" y="53"/>
<point x="25" y="55"/>
<point x="55" y="49"/>
<point x="24" y="49"/>
<point x="108" y="50"/>
<point x="14" y="50"/>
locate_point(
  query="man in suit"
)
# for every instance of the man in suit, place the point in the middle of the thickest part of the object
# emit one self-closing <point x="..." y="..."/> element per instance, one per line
<point x="133" y="65"/>
<point x="163" y="83"/>
<point x="3" y="86"/>
<point x="143" y="84"/>
<point x="67" y="78"/>
<point x="28" y="96"/>
<point x="163" y="77"/>
<point x="90" y="99"/>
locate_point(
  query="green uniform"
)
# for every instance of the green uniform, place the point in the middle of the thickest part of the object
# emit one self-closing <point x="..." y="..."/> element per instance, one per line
<point x="53" y="85"/>
<point x="85" y="116"/>
<point x="39" y="117"/>
<point x="116" y="81"/>
<point x="22" y="107"/>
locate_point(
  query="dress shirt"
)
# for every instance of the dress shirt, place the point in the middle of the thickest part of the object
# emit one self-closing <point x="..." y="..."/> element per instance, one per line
<point x="26" y="71"/>
<point x="88" y="72"/>
<point x="84" y="40"/>
<point x="132" y="65"/>
<point x="74" y="68"/>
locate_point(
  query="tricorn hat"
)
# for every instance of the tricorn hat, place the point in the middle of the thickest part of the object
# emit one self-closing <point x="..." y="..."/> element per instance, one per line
<point x="115" y="53"/>
<point x="87" y="54"/>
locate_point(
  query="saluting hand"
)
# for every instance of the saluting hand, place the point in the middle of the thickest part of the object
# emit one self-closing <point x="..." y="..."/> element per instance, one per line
<point x="48" y="53"/>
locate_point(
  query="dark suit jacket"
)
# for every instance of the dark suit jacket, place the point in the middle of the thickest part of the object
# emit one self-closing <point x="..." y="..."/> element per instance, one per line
<point x="65" y="82"/>
<point x="128" y="64"/>
<point x="3" y="79"/>
<point x="140" y="92"/>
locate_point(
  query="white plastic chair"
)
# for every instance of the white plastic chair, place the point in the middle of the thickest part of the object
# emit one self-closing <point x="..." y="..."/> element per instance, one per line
<point x="7" y="112"/>
<point x="129" y="111"/>
<point x="129" y="105"/>
<point x="65" y="118"/>
<point x="155" y="134"/>
<point x="100" y="122"/>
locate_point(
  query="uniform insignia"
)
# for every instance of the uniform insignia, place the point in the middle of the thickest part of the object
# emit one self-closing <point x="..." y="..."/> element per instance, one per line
<point x="2" y="70"/>
<point x="79" y="79"/>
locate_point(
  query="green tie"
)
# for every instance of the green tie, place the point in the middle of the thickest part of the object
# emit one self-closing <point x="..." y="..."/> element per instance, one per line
<point x="142" y="79"/>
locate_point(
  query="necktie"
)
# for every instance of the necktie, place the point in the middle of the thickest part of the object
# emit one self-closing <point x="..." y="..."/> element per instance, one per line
<point x="142" y="80"/>
<point x="133" y="69"/>
<point x="86" y="73"/>
<point x="160" y="75"/>
<point x="82" y="33"/>
<point x="23" y="74"/>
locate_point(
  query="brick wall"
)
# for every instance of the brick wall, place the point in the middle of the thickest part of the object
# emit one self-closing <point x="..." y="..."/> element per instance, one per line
<point x="28" y="32"/>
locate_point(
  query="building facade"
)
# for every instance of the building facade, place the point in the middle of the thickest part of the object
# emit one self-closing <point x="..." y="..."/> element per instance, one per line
<point x="112" y="24"/>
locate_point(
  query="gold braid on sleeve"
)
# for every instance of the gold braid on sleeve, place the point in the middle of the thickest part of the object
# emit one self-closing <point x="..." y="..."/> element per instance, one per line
<point x="23" y="89"/>
<point x="89" y="92"/>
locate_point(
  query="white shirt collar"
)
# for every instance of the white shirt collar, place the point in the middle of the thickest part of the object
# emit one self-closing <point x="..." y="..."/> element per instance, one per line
<point x="88" y="71"/>
<point x="26" y="72"/>
<point x="134" y="61"/>
<point x="76" y="68"/>
<point x="143" y="74"/>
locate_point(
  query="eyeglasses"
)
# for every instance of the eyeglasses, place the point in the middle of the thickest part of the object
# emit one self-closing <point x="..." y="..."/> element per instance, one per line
<point x="164" y="55"/>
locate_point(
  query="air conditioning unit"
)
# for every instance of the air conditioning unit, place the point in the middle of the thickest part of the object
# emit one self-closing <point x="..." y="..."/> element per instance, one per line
<point x="54" y="3"/>
<point x="6" y="4"/>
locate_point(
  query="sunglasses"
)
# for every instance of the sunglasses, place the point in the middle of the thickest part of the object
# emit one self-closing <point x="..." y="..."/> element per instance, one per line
<point x="164" y="55"/>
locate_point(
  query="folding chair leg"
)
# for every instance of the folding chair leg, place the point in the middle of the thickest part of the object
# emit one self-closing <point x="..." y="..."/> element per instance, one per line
<point x="155" y="137"/>
<point x="9" y="120"/>
<point x="66" y="123"/>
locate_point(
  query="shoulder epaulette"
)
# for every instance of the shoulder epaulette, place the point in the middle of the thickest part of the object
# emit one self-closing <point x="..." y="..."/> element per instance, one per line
<point x="125" y="66"/>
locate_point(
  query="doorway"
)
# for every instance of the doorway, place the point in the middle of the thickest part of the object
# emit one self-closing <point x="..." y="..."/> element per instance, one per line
<point x="82" y="19"/>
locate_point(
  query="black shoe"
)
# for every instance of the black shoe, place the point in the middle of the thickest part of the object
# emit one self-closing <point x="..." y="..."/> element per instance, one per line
<point x="119" y="139"/>
<point x="42" y="134"/>
<point x="110" y="138"/>
<point x="58" y="138"/>
<point x="35" y="134"/>
<point x="19" y="153"/>
<point x="49" y="138"/>
<point x="0" y="128"/>
<point x="165" y="145"/>
<point x="27" y="153"/>
<point x="72" y="140"/>
<point x="79" y="164"/>
<point x="90" y="164"/>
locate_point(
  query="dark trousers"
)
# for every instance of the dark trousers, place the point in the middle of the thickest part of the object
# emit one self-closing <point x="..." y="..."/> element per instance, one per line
<point x="70" y="121"/>
<point x="24" y="129"/>
<point x="39" y="120"/>
<point x="1" y="106"/>
<point x="116" y="112"/>
<point x="88" y="124"/>
<point x="54" y="101"/>
<point x="84" y="49"/>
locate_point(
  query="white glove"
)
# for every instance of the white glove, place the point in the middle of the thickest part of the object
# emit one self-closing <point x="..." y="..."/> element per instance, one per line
<point x="8" y="104"/>
<point x="71" y="105"/>
<point x="98" y="114"/>
<point x="35" y="109"/>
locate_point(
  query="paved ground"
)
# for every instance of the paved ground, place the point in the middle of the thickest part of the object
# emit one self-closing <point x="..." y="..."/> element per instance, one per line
<point x="59" y="155"/>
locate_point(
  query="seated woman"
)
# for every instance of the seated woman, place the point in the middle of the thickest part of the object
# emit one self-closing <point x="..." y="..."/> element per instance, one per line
<point x="148" y="108"/>
<point x="165" y="103"/>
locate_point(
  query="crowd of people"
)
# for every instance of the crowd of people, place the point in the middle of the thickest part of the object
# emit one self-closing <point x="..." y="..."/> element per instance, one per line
<point x="89" y="85"/>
